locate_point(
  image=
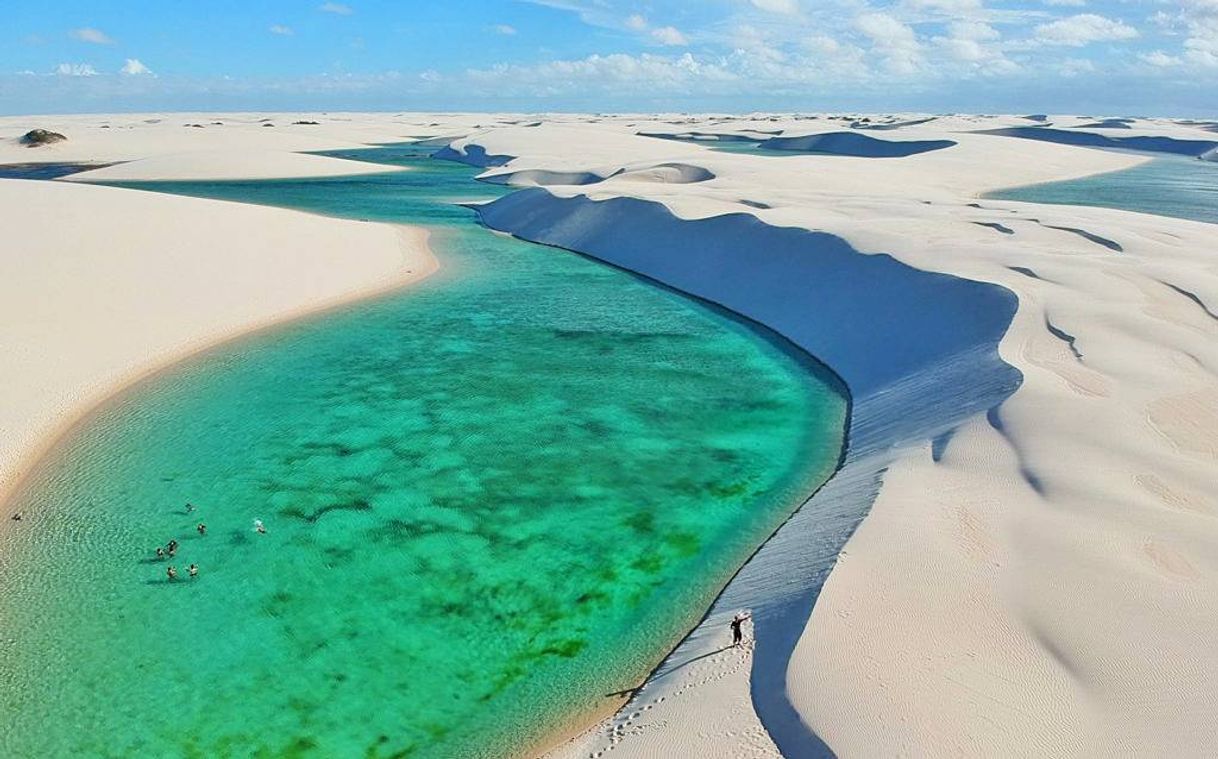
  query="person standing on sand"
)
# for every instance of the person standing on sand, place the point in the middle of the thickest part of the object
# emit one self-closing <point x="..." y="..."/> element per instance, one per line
<point x="737" y="631"/>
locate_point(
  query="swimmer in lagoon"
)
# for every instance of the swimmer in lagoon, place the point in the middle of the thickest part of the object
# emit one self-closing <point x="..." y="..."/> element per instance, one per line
<point x="193" y="570"/>
<point x="202" y="528"/>
<point x="172" y="573"/>
<point x="259" y="527"/>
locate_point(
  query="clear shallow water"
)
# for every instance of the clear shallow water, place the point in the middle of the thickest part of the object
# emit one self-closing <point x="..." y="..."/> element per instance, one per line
<point x="491" y="499"/>
<point x="1184" y="188"/>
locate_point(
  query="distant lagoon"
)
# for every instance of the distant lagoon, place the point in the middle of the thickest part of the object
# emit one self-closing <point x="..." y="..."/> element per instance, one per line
<point x="1185" y="188"/>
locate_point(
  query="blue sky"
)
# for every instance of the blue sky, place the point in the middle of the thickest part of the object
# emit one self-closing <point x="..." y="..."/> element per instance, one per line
<point x="1155" y="57"/>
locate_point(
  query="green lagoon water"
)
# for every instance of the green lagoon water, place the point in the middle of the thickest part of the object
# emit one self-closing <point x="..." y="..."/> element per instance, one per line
<point x="491" y="499"/>
<point x="1185" y="188"/>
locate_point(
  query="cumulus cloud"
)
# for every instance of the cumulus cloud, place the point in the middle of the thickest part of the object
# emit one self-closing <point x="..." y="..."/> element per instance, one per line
<point x="598" y="73"/>
<point x="1160" y="59"/>
<point x="336" y="8"/>
<point x="1197" y="22"/>
<point x="822" y="44"/>
<point x="1083" y="29"/>
<point x="947" y="6"/>
<point x="133" y="67"/>
<point x="75" y="69"/>
<point x="92" y="36"/>
<point x="1072" y="67"/>
<point x="505" y="29"/>
<point x="975" y="44"/>
<point x="1200" y="20"/>
<point x="789" y="7"/>
<point x="668" y="35"/>
<point x="636" y="22"/>
<point x="893" y="39"/>
<point x="973" y="30"/>
<point x="281" y="30"/>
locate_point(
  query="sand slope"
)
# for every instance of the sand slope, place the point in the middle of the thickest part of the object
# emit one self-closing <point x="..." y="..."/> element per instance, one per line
<point x="225" y="164"/>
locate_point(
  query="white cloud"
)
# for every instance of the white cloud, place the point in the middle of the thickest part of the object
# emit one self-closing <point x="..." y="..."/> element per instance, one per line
<point x="756" y="43"/>
<point x="896" y="41"/>
<point x="975" y="44"/>
<point x="75" y="69"/>
<point x="822" y="44"/>
<point x="505" y="29"/>
<point x="281" y="30"/>
<point x="1083" y="29"/>
<point x="1072" y="67"/>
<point x="133" y="67"/>
<point x="598" y="74"/>
<point x="1067" y="3"/>
<point x="336" y="8"/>
<point x="947" y="6"/>
<point x="636" y="22"/>
<point x="789" y="7"/>
<point x="90" y="35"/>
<point x="1161" y="59"/>
<point x="1200" y="19"/>
<point x="972" y="30"/>
<point x="668" y="35"/>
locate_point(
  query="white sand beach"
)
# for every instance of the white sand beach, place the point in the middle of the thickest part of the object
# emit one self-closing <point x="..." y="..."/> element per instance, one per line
<point x="1035" y="565"/>
<point x="139" y="280"/>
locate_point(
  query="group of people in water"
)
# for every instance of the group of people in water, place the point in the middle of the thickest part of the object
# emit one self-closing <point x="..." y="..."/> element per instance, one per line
<point x="170" y="549"/>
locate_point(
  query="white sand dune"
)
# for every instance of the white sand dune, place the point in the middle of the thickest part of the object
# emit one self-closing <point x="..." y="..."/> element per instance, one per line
<point x="226" y="164"/>
<point x="138" y="280"/>
<point x="227" y="138"/>
<point x="1020" y="555"/>
<point x="1032" y="578"/>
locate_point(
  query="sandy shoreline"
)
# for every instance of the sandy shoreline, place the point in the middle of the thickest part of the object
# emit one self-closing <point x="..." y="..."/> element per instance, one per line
<point x="45" y="404"/>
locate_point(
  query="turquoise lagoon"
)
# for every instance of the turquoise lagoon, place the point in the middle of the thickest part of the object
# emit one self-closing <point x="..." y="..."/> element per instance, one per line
<point x="1185" y="188"/>
<point x="491" y="499"/>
